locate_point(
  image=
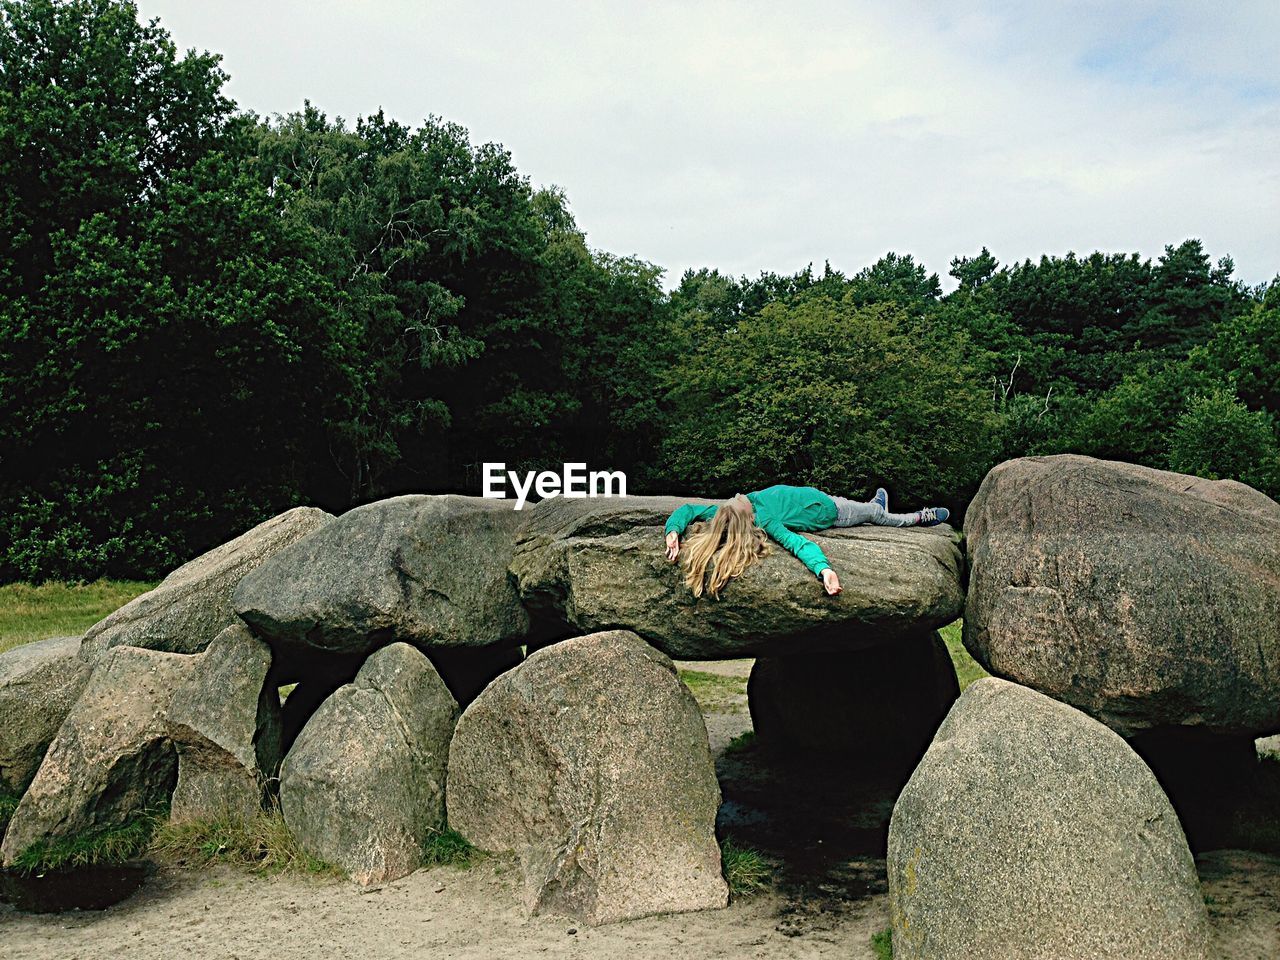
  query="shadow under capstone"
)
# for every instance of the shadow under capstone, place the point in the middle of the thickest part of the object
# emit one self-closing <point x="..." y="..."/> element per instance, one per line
<point x="94" y="887"/>
<point x="824" y="825"/>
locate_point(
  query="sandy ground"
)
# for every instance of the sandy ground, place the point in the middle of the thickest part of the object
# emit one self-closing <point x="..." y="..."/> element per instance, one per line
<point x="223" y="913"/>
<point x="828" y="900"/>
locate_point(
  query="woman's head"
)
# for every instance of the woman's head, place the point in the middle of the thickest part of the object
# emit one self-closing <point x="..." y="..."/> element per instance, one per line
<point x="723" y="548"/>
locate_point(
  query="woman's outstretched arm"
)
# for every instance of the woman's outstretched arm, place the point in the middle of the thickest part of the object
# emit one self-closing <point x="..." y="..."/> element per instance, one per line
<point x="681" y="517"/>
<point x="679" y="520"/>
<point x="810" y="553"/>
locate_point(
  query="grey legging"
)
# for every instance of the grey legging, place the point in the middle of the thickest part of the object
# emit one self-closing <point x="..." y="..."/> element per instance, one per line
<point x="851" y="513"/>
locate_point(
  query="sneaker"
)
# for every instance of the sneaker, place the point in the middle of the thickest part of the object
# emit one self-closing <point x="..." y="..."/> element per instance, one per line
<point x="932" y="516"/>
<point x="882" y="498"/>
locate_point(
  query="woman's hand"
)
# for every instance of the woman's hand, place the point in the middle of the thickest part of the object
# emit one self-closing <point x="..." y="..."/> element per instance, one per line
<point x="830" y="581"/>
<point x="673" y="546"/>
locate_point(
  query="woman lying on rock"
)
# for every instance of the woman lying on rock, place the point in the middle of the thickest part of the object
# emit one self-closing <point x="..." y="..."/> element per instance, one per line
<point x="725" y="540"/>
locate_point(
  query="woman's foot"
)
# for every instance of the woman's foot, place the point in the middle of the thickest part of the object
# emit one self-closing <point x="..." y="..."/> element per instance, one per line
<point x="882" y="498"/>
<point x="932" y="516"/>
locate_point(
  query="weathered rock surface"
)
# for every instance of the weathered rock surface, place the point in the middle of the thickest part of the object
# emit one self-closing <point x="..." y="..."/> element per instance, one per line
<point x="590" y="760"/>
<point x="39" y="682"/>
<point x="225" y="723"/>
<point x="1031" y="830"/>
<point x="192" y="605"/>
<point x="874" y="710"/>
<point x="363" y="785"/>
<point x="111" y="759"/>
<point x="425" y="570"/>
<point x="601" y="563"/>
<point x="1143" y="597"/>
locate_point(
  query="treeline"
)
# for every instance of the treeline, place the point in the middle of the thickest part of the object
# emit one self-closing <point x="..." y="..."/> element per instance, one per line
<point x="207" y="317"/>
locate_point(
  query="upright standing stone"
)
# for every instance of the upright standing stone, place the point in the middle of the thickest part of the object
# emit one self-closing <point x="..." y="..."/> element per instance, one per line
<point x="1031" y="830"/>
<point x="590" y="760"/>
<point x="363" y="785"/>
<point x="39" y="683"/>
<point x="112" y="759"/>
<point x="225" y="723"/>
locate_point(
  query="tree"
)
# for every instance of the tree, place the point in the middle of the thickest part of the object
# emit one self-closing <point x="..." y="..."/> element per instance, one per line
<point x="1188" y="299"/>
<point x="1134" y="420"/>
<point x="165" y="346"/>
<point x="707" y="300"/>
<point x="896" y="278"/>
<point x="1218" y="437"/>
<point x="96" y="112"/>
<point x="486" y="329"/>
<point x="823" y="392"/>
<point x="1246" y="352"/>
<point x="973" y="272"/>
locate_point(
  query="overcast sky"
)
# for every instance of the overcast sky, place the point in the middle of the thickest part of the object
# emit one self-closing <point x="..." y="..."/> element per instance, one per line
<point x="764" y="136"/>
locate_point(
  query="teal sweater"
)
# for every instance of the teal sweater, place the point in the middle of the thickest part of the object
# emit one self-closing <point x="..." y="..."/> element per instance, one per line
<point x="780" y="510"/>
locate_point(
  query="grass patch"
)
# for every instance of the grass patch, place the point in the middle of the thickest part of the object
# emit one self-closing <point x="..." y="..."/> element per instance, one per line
<point x="743" y="741"/>
<point x="111" y="845"/>
<point x="29" y="613"/>
<point x="882" y="944"/>
<point x="449" y="848"/>
<point x="8" y="803"/>
<point x="745" y="870"/>
<point x="713" y="691"/>
<point x="967" y="668"/>
<point x="264" y="844"/>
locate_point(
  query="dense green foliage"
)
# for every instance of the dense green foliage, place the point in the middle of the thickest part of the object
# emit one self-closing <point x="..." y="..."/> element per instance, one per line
<point x="838" y="395"/>
<point x="164" y="339"/>
<point x="480" y="323"/>
<point x="206" y="317"/>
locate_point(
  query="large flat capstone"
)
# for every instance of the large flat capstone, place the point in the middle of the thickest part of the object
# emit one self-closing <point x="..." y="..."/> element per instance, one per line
<point x="1145" y="598"/>
<point x="430" y="571"/>
<point x="600" y="564"/>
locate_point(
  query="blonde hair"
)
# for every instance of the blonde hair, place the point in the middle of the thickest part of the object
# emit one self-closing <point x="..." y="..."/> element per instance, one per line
<point x="723" y="548"/>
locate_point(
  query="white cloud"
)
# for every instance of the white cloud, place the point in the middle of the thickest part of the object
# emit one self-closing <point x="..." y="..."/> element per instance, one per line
<point x="752" y="136"/>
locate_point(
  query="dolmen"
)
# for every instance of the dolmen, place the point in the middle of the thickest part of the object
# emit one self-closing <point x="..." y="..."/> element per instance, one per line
<point x="398" y="633"/>
<point x="426" y="663"/>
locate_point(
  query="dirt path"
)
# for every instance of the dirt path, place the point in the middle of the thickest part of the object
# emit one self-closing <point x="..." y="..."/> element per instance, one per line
<point x="223" y="913"/>
<point x="1242" y="891"/>
<point x="828" y="901"/>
